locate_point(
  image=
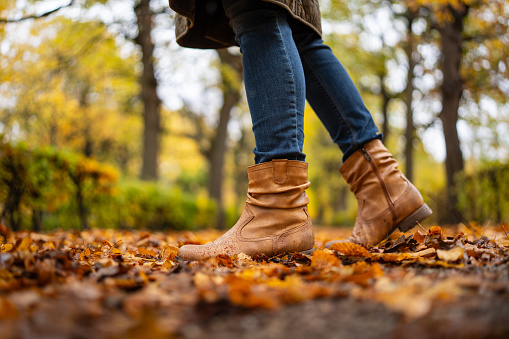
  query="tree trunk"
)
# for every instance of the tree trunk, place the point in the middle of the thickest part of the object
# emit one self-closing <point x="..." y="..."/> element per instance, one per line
<point x="151" y="102"/>
<point x="216" y="154"/>
<point x="37" y="220"/>
<point x="452" y="90"/>
<point x="385" y="108"/>
<point x="409" y="90"/>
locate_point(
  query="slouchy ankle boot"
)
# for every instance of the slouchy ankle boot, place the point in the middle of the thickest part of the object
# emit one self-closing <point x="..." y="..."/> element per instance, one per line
<point x="386" y="199"/>
<point x="275" y="219"/>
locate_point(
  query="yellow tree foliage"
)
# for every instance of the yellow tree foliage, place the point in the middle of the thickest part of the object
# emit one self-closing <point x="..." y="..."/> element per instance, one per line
<point x="74" y="89"/>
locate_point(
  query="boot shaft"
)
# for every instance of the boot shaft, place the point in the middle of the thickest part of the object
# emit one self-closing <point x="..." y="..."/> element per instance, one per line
<point x="372" y="171"/>
<point x="278" y="184"/>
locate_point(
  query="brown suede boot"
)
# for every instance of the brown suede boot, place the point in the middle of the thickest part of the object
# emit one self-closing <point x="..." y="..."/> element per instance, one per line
<point x="275" y="219"/>
<point x="386" y="199"/>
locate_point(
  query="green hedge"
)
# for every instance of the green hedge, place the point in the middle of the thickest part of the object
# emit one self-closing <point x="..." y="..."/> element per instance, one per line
<point x="484" y="195"/>
<point x="46" y="189"/>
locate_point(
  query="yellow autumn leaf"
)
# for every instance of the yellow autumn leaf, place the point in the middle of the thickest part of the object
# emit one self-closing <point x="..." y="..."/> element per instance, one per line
<point x="6" y="247"/>
<point x="24" y="244"/>
<point x="116" y="251"/>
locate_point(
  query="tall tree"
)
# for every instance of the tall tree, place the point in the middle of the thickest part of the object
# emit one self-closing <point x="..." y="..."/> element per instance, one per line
<point x="410" y="16"/>
<point x="231" y="84"/>
<point x="212" y="140"/>
<point x="150" y="99"/>
<point x="451" y="36"/>
<point x="465" y="28"/>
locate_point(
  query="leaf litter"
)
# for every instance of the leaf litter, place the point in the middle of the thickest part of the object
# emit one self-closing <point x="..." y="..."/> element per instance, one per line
<point x="110" y="283"/>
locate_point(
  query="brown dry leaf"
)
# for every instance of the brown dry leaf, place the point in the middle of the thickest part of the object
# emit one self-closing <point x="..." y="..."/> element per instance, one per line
<point x="434" y="238"/>
<point x="392" y="257"/>
<point x="419" y="236"/>
<point x="224" y="260"/>
<point x="350" y="249"/>
<point x="399" y="257"/>
<point x="324" y="259"/>
<point x="452" y="255"/>
<point x="4" y="231"/>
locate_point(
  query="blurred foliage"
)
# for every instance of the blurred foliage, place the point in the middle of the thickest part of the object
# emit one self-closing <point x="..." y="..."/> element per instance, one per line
<point x="484" y="193"/>
<point x="72" y="84"/>
<point x="39" y="181"/>
<point x="73" y="90"/>
<point x="46" y="189"/>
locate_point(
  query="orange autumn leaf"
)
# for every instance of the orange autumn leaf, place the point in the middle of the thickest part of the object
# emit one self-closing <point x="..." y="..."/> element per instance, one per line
<point x="144" y="251"/>
<point x="170" y="252"/>
<point x="436" y="231"/>
<point x="351" y="249"/>
<point x="106" y="243"/>
<point x="419" y="236"/>
<point x="323" y="259"/>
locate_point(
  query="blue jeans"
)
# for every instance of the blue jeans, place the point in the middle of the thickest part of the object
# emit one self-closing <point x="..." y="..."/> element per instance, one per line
<point x="285" y="63"/>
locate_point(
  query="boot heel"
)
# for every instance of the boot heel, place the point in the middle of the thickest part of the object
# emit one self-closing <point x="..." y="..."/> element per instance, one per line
<point x="418" y="215"/>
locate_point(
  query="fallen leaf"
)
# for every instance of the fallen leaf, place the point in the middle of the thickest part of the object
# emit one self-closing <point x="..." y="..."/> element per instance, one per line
<point x="6" y="247"/>
<point x="419" y="236"/>
<point x="350" y="249"/>
<point x="149" y="253"/>
<point x="116" y="251"/>
<point x="321" y="260"/>
<point x="24" y="244"/>
<point x="451" y="255"/>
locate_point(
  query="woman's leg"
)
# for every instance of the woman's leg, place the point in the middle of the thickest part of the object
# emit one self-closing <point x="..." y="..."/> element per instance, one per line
<point x="274" y="78"/>
<point x="387" y="200"/>
<point x="332" y="94"/>
<point x="275" y="219"/>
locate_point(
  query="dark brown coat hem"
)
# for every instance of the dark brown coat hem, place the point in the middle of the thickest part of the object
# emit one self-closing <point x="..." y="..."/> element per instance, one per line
<point x="192" y="35"/>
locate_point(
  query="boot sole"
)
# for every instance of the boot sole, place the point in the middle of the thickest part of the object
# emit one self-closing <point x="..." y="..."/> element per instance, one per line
<point x="411" y="221"/>
<point x="307" y="252"/>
